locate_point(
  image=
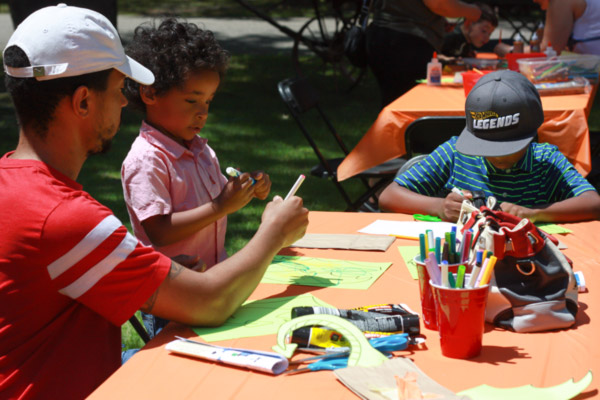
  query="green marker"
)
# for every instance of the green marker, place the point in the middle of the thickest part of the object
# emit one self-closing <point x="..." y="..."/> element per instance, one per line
<point x="460" y="276"/>
<point x="451" y="283"/>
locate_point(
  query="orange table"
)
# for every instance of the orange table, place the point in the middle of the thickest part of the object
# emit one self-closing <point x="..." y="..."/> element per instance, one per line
<point x="565" y="125"/>
<point x="508" y="359"/>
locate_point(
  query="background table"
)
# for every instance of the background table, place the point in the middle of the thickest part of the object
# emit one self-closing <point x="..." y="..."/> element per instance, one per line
<point x="565" y="125"/>
<point x="508" y="359"/>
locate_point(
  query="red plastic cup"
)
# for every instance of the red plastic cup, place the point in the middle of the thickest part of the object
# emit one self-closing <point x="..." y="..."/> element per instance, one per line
<point x="428" y="312"/>
<point x="460" y="319"/>
<point x="470" y="78"/>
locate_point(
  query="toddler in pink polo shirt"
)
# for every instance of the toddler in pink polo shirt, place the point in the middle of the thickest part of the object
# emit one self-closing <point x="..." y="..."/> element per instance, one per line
<point x="177" y="198"/>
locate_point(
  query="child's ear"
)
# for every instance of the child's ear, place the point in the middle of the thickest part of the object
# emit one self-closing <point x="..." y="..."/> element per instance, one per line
<point x="148" y="94"/>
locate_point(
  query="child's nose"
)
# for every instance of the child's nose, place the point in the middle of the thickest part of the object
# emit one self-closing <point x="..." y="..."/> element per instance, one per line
<point x="202" y="110"/>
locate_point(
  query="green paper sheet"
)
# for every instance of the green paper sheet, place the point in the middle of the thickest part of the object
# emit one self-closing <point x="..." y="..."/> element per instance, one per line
<point x="258" y="317"/>
<point x="563" y="391"/>
<point x="408" y="254"/>
<point x="323" y="272"/>
<point x="553" y="229"/>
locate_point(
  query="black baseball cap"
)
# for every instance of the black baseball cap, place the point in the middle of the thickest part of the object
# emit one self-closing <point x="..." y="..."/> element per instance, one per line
<point x="503" y="112"/>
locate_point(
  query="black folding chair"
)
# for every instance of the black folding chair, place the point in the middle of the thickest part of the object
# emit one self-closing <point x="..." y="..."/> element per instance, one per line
<point x="300" y="98"/>
<point x="425" y="134"/>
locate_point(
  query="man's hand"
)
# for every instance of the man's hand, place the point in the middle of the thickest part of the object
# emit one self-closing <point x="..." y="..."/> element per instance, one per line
<point x="452" y="204"/>
<point x="286" y="219"/>
<point x="262" y="187"/>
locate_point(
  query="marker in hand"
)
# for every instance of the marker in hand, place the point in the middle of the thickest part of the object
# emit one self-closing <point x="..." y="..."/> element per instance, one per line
<point x="295" y="187"/>
<point x="457" y="191"/>
<point x="235" y="173"/>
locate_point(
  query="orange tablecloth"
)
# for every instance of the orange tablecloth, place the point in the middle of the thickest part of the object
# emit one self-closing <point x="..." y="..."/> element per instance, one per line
<point x="507" y="360"/>
<point x="565" y="125"/>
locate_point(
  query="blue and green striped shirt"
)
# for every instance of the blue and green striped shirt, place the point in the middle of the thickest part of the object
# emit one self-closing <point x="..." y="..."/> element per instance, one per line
<point x="542" y="176"/>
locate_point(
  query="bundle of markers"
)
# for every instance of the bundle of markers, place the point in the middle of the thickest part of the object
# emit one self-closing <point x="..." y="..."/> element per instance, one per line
<point x="481" y="272"/>
<point x="449" y="251"/>
<point x="437" y="259"/>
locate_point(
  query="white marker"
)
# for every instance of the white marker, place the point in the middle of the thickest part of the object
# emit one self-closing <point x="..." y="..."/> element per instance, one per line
<point x="295" y="187"/>
<point x="232" y="172"/>
<point x="235" y="173"/>
<point x="457" y="191"/>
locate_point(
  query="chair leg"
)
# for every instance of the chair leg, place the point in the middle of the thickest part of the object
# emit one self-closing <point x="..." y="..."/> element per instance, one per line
<point x="362" y="201"/>
<point x="139" y="329"/>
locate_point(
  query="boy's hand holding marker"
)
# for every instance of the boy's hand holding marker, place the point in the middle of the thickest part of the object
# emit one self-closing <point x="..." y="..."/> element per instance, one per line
<point x="258" y="179"/>
<point x="452" y="203"/>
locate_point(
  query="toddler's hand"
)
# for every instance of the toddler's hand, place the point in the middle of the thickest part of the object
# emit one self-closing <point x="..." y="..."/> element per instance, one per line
<point x="236" y="194"/>
<point x="262" y="187"/>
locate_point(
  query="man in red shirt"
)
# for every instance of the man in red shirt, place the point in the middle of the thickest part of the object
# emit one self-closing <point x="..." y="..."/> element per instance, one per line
<point x="70" y="273"/>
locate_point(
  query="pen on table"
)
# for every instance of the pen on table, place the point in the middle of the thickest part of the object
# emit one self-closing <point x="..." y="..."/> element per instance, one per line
<point x="403" y="236"/>
<point x="295" y="187"/>
<point x="235" y="173"/>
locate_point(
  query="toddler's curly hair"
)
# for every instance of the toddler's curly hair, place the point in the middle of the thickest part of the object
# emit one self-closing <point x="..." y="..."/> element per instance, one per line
<point x="171" y="52"/>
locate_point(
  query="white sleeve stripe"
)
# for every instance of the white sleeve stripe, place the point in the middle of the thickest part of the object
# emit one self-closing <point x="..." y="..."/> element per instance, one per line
<point x="104" y="267"/>
<point x="87" y="245"/>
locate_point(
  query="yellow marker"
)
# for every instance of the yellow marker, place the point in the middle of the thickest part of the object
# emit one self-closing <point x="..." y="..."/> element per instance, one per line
<point x="487" y="274"/>
<point x="404" y="237"/>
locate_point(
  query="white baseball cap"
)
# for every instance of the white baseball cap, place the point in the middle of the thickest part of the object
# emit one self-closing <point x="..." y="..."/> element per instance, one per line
<point x="62" y="41"/>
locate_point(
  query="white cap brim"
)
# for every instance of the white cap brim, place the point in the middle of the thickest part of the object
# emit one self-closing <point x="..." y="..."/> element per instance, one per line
<point x="136" y="71"/>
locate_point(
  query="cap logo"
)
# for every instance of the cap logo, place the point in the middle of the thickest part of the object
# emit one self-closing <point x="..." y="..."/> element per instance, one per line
<point x="482" y="120"/>
<point x="39" y="71"/>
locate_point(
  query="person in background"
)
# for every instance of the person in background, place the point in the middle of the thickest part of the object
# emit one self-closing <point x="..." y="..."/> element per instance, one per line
<point x="469" y="35"/>
<point x="571" y="25"/>
<point x="70" y="273"/>
<point x="177" y="198"/>
<point x="403" y="36"/>
<point x="496" y="154"/>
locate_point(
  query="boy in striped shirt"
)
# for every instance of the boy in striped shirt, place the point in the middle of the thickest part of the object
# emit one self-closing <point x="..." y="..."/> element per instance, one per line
<point x="496" y="153"/>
